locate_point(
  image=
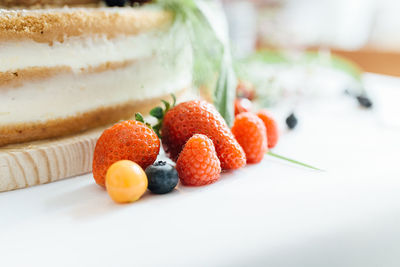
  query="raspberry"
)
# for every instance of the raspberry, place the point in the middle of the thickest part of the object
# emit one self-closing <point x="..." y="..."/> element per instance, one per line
<point x="272" y="128"/>
<point x="127" y="140"/>
<point x="198" y="163"/>
<point x="250" y="131"/>
<point x="199" y="117"/>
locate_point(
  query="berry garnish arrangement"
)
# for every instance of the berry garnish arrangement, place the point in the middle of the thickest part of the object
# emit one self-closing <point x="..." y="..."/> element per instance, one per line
<point x="200" y="117"/>
<point x="194" y="135"/>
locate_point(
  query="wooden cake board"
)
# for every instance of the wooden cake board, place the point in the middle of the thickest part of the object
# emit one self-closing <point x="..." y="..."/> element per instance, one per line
<point x="47" y="161"/>
<point x="42" y="162"/>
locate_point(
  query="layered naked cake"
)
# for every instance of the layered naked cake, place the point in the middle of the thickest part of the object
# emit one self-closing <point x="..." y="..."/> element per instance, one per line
<point x="66" y="70"/>
<point x="32" y="3"/>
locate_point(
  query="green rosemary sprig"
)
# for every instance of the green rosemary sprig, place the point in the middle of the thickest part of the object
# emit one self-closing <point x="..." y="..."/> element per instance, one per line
<point x="293" y="161"/>
<point x="213" y="70"/>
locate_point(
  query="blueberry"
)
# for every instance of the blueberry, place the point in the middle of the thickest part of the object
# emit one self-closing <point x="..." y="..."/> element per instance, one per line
<point x="364" y="101"/>
<point x="162" y="177"/>
<point x="291" y="121"/>
<point x="115" y="2"/>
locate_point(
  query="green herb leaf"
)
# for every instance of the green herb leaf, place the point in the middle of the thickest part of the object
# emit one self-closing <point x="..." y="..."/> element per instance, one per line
<point x="346" y="66"/>
<point x="212" y="70"/>
<point x="334" y="61"/>
<point x="224" y="96"/>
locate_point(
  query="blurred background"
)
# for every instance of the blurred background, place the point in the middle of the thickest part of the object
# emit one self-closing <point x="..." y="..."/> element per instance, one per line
<point x="292" y="52"/>
<point x="365" y="31"/>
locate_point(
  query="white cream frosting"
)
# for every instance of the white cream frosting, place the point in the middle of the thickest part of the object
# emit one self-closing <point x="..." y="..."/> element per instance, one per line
<point x="160" y="67"/>
<point x="78" y="52"/>
<point x="70" y="94"/>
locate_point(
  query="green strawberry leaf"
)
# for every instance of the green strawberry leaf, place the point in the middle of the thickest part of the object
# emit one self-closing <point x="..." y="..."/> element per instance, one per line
<point x="139" y="117"/>
<point x="157" y="129"/>
<point x="173" y="100"/>
<point x="167" y="105"/>
<point x="157" y="113"/>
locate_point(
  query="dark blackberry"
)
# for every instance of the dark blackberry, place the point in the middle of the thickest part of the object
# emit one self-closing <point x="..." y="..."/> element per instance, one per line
<point x="364" y="101"/>
<point x="119" y="3"/>
<point x="291" y="121"/>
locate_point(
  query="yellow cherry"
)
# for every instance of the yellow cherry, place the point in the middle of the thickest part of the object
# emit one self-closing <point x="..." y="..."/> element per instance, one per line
<point x="125" y="181"/>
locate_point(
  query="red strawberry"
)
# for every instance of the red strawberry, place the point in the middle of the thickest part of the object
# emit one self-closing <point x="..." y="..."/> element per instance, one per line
<point x="249" y="130"/>
<point x="130" y="140"/>
<point x="198" y="163"/>
<point x="199" y="117"/>
<point x="242" y="105"/>
<point x="271" y="126"/>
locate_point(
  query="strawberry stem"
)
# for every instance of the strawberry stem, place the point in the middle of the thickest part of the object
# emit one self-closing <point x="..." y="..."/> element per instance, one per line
<point x="159" y="113"/>
<point x="293" y="161"/>
<point x="139" y="117"/>
<point x="173" y="100"/>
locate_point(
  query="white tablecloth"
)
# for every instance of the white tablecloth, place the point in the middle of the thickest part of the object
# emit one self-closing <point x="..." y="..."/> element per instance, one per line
<point x="270" y="214"/>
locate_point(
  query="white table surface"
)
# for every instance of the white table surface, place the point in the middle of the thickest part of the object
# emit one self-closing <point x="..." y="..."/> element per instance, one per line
<point x="270" y="214"/>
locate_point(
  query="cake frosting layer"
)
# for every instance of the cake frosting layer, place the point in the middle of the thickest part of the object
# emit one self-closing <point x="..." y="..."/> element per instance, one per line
<point x="80" y="52"/>
<point x="71" y="93"/>
<point x="88" y="97"/>
<point x="54" y="25"/>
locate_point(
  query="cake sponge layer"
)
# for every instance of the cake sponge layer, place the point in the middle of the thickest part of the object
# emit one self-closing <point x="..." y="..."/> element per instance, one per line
<point x="54" y="25"/>
<point x="32" y="131"/>
<point x="28" y="3"/>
